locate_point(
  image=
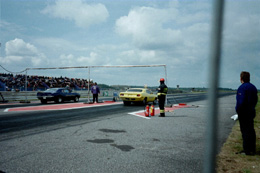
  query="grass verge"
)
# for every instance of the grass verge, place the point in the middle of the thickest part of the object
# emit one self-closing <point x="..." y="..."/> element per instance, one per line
<point x="228" y="161"/>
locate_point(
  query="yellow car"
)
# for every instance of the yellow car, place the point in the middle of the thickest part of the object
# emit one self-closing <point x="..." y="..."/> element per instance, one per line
<point x="137" y="95"/>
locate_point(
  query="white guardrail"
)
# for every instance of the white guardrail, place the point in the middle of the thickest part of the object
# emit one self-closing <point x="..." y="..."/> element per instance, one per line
<point x="31" y="95"/>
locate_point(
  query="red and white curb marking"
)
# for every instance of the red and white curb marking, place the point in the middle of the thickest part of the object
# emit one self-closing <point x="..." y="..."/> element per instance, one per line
<point x="60" y="106"/>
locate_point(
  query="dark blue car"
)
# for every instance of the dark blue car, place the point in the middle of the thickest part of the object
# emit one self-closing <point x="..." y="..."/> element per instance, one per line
<point x="58" y="95"/>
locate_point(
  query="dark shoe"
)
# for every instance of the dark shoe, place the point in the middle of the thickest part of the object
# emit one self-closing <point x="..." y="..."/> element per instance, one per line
<point x="250" y="153"/>
<point x="162" y="115"/>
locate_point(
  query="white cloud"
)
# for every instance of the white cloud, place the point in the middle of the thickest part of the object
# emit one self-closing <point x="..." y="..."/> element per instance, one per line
<point x="240" y="24"/>
<point x="144" y="25"/>
<point x="7" y="27"/>
<point x="74" y="61"/>
<point x="240" y="41"/>
<point x="169" y="33"/>
<point x="83" y="14"/>
<point x="25" y="54"/>
<point x="56" y="46"/>
<point x="18" y="47"/>
<point x="136" y="57"/>
<point x="11" y="59"/>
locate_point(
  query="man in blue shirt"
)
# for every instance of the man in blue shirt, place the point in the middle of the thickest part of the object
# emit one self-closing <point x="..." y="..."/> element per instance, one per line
<point x="95" y="91"/>
<point x="245" y="107"/>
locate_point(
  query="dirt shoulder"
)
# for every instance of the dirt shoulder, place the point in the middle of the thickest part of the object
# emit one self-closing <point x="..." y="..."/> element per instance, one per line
<point x="228" y="161"/>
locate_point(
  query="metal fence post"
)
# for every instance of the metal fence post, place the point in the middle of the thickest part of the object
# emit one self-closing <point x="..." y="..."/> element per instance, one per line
<point x="26" y="84"/>
<point x="212" y="114"/>
<point x="88" y="83"/>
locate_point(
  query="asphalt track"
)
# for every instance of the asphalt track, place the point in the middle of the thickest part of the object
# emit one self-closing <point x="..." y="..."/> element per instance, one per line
<point x="108" y="137"/>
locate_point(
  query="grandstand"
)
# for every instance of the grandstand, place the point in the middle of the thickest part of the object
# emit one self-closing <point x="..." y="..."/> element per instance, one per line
<point x="10" y="82"/>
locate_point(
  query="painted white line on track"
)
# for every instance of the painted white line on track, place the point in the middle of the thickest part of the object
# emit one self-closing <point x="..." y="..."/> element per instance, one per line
<point x="135" y="114"/>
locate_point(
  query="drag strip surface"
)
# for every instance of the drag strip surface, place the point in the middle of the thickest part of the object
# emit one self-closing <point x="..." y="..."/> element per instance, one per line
<point x="21" y="123"/>
<point x="26" y="119"/>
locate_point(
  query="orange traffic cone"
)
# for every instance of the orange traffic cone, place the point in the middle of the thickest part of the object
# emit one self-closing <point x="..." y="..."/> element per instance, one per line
<point x="146" y="111"/>
<point x="152" y="110"/>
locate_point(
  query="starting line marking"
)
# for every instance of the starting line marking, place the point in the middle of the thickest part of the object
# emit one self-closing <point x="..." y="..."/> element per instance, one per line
<point x="59" y="106"/>
<point x="138" y="114"/>
<point x="157" y="111"/>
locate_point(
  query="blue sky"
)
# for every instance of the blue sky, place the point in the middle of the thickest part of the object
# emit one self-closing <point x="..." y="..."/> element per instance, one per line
<point x="62" y="33"/>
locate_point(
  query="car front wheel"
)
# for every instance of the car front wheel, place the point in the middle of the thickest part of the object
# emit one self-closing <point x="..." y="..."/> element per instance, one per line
<point x="155" y="101"/>
<point x="76" y="99"/>
<point x="145" y="101"/>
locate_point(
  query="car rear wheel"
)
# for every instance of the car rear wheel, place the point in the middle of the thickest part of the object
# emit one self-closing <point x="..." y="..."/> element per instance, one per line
<point x="43" y="101"/>
<point x="76" y="99"/>
<point x="59" y="100"/>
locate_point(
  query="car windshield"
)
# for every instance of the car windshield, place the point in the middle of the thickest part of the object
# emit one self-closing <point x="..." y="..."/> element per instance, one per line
<point x="134" y="90"/>
<point x="51" y="90"/>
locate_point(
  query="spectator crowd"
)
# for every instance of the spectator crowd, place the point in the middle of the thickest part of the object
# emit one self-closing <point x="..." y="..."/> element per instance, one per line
<point x="10" y="82"/>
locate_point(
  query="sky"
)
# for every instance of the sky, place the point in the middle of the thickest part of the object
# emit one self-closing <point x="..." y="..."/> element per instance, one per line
<point x="176" y="33"/>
